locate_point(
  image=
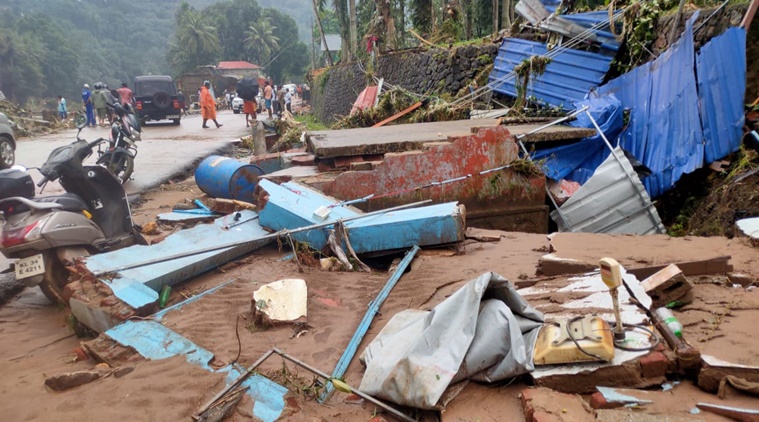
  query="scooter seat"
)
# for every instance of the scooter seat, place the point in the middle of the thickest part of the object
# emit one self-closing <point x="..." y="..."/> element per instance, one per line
<point x="70" y="202"/>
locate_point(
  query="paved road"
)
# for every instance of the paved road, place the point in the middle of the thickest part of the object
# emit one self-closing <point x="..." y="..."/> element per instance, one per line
<point x="165" y="150"/>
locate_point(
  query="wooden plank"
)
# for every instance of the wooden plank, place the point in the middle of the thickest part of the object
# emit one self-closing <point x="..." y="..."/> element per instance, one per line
<point x="398" y="115"/>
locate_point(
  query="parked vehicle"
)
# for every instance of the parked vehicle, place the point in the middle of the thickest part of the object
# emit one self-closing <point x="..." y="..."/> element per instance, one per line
<point x="237" y="105"/>
<point x="119" y="156"/>
<point x="156" y="98"/>
<point x="7" y="142"/>
<point x="46" y="233"/>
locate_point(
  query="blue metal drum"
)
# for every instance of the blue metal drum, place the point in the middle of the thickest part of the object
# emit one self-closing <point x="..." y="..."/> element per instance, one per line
<point x="224" y="177"/>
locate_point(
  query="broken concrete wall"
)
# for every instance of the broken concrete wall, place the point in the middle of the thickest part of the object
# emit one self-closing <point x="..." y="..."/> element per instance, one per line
<point x="440" y="70"/>
<point x="504" y="199"/>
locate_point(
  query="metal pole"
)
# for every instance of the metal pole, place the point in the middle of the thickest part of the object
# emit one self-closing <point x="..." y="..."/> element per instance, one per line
<point x="231" y="386"/>
<point x="353" y="390"/>
<point x="629" y="176"/>
<point x="363" y="327"/>
<point x="258" y="239"/>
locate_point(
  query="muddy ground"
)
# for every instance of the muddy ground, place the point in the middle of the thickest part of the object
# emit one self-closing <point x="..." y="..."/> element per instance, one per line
<point x="36" y="342"/>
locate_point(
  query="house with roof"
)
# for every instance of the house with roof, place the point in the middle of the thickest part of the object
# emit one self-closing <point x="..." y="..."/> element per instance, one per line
<point x="238" y="69"/>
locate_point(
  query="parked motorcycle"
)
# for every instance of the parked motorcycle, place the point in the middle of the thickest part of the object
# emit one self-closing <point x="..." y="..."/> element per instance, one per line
<point x="119" y="156"/>
<point x="45" y="233"/>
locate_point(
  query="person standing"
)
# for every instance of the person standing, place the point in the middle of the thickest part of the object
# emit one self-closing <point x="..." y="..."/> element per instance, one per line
<point x="208" y="106"/>
<point x="63" y="111"/>
<point x="280" y="100"/>
<point x="268" y="95"/>
<point x="288" y="100"/>
<point x="88" y="107"/>
<point x="125" y="94"/>
<point x="228" y="100"/>
<point x="249" y="108"/>
<point x="99" y="100"/>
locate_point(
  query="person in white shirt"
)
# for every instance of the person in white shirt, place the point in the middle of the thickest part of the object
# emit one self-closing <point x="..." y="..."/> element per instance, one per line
<point x="288" y="100"/>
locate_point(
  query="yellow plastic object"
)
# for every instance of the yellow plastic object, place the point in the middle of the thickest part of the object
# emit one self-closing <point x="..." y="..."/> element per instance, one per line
<point x="555" y="345"/>
<point x="341" y="385"/>
<point x="87" y="214"/>
<point x="611" y="274"/>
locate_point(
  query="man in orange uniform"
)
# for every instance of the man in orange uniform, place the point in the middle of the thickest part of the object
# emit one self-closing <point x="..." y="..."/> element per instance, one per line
<point x="208" y="106"/>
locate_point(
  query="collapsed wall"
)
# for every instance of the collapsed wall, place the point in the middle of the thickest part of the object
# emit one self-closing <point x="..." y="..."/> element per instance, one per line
<point x="420" y="71"/>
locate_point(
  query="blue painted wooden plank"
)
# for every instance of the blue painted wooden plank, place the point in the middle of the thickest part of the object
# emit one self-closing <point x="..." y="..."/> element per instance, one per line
<point x="155" y="342"/>
<point x="139" y="286"/>
<point x="292" y="206"/>
<point x="363" y="327"/>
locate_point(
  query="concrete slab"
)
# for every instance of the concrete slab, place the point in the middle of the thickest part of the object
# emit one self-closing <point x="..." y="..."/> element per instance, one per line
<point x="505" y="199"/>
<point x="139" y="286"/>
<point x="408" y="137"/>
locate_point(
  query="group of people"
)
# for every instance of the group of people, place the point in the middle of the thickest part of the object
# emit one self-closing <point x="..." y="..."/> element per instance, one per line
<point x="277" y="100"/>
<point x="97" y="102"/>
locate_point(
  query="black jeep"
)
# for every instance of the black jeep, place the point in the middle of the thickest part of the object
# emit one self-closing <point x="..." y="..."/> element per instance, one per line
<point x="156" y="98"/>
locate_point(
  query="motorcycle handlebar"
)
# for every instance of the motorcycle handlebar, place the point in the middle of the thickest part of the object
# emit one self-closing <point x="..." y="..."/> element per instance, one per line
<point x="42" y="182"/>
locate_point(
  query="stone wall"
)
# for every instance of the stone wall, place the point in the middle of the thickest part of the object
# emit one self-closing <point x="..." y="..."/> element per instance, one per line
<point x="709" y="26"/>
<point x="419" y="71"/>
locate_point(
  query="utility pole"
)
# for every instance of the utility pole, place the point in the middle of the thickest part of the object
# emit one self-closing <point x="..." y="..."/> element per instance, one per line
<point x="313" y="47"/>
<point x="321" y="31"/>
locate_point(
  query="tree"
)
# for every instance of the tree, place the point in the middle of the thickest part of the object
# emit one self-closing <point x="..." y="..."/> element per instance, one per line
<point x="195" y="41"/>
<point x="421" y="15"/>
<point x="260" y="39"/>
<point x="353" y="27"/>
<point x="321" y="29"/>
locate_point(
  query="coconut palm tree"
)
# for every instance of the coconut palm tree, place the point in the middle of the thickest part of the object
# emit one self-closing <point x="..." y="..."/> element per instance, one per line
<point x="260" y="39"/>
<point x="196" y="35"/>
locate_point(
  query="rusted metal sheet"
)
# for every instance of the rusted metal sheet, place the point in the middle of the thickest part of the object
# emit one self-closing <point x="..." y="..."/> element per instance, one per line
<point x="410" y="137"/>
<point x="504" y="199"/>
<point x="366" y="99"/>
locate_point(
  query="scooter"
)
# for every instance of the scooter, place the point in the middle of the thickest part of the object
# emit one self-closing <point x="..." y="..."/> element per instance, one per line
<point x="46" y="233"/>
<point x="119" y="156"/>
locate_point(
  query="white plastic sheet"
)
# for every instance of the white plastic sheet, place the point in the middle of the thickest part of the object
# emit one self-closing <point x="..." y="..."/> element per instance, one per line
<point x="484" y="332"/>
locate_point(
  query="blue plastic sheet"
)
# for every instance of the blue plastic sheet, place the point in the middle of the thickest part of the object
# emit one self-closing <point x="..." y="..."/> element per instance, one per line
<point x="674" y="128"/>
<point x="721" y="67"/>
<point x="569" y="77"/>
<point x="578" y="161"/>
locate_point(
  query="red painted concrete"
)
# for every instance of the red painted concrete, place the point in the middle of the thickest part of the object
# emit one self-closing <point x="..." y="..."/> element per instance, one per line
<point x="504" y="199"/>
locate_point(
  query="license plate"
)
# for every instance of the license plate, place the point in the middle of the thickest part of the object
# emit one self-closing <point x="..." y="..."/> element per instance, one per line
<point x="173" y="116"/>
<point x="29" y="266"/>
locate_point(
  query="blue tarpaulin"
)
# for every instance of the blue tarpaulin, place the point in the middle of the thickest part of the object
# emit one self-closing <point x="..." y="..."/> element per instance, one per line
<point x="568" y="78"/>
<point x="667" y="131"/>
<point x="578" y="161"/>
<point x="721" y="67"/>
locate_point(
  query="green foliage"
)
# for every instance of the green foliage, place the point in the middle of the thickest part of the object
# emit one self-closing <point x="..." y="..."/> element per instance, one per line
<point x="310" y="121"/>
<point x="195" y="41"/>
<point x="640" y="26"/>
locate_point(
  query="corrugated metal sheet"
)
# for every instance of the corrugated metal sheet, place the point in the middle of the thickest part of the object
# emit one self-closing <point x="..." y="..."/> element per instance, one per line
<point x="567" y="79"/>
<point x="721" y="68"/>
<point x="620" y="204"/>
<point x="665" y="126"/>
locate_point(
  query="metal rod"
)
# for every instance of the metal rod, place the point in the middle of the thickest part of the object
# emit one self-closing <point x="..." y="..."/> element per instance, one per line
<point x="364" y="396"/>
<point x="553" y="123"/>
<point x="363" y="327"/>
<point x="233" y="385"/>
<point x="624" y="169"/>
<point x="258" y="239"/>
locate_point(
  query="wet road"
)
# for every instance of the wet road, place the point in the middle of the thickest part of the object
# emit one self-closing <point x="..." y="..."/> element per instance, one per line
<point x="164" y="152"/>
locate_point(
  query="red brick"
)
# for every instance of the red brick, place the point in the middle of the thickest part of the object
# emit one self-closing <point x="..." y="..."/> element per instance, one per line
<point x="597" y="401"/>
<point x="653" y="365"/>
<point x="304" y="160"/>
